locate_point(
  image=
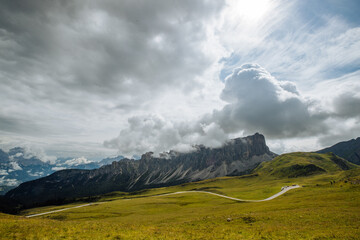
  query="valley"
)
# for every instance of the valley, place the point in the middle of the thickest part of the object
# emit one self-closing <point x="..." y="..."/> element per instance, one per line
<point x="180" y="120"/>
<point x="325" y="207"/>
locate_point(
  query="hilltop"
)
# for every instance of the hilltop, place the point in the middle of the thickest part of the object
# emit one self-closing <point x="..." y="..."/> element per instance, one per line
<point x="300" y="164"/>
<point x="350" y="150"/>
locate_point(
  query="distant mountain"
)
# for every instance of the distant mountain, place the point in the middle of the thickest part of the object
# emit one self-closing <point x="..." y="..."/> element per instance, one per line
<point x="350" y="150"/>
<point x="17" y="166"/>
<point x="107" y="161"/>
<point x="301" y="164"/>
<point x="236" y="157"/>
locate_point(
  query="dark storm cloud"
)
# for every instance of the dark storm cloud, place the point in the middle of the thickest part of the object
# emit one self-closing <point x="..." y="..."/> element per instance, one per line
<point x="20" y="125"/>
<point x="347" y="105"/>
<point x="106" y="47"/>
<point x="70" y="67"/>
<point x="9" y="124"/>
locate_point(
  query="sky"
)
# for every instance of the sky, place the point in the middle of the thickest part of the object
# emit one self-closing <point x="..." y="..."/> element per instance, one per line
<point x="99" y="78"/>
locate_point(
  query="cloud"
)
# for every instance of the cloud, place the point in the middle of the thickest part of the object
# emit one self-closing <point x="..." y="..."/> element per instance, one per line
<point x="257" y="101"/>
<point x="3" y="172"/>
<point x="35" y="174"/>
<point x="8" y="182"/>
<point x="153" y="133"/>
<point x="15" y="166"/>
<point x="12" y="124"/>
<point x="342" y="130"/>
<point x="296" y="44"/>
<point x="58" y="168"/>
<point x="77" y="161"/>
<point x="304" y="51"/>
<point x="340" y="100"/>
<point x="103" y="49"/>
<point x="73" y="72"/>
<point x="70" y="68"/>
<point x="343" y="120"/>
<point x="40" y="154"/>
<point x="28" y="152"/>
<point x="347" y="105"/>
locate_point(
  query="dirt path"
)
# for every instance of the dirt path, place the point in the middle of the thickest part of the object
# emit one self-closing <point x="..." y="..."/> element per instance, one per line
<point x="63" y="209"/>
<point x="238" y="199"/>
<point x="284" y="190"/>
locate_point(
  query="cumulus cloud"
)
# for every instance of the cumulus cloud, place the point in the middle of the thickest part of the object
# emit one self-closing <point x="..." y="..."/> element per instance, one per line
<point x="256" y="102"/>
<point x="8" y="182"/>
<point x="153" y="133"/>
<point x="15" y="166"/>
<point x="3" y="172"/>
<point x="28" y="152"/>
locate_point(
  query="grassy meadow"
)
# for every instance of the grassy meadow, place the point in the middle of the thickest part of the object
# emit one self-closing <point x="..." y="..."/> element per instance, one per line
<point x="326" y="207"/>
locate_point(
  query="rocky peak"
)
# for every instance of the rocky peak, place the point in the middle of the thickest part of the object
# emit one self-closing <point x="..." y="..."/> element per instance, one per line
<point x="147" y="156"/>
<point x="236" y="157"/>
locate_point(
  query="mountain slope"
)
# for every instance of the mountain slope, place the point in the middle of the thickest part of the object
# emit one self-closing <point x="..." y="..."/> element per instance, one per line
<point x="350" y="150"/>
<point x="18" y="165"/>
<point x="236" y="157"/>
<point x="301" y="164"/>
<point x="320" y="210"/>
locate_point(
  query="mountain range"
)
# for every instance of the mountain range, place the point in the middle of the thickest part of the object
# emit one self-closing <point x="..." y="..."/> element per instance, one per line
<point x="349" y="150"/>
<point x="236" y="157"/>
<point x="18" y="165"/>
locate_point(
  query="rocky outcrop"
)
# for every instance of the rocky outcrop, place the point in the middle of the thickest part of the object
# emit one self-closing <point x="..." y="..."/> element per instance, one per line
<point x="349" y="150"/>
<point x="236" y="157"/>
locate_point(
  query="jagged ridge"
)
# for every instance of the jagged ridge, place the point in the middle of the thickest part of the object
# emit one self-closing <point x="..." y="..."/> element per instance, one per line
<point x="236" y="157"/>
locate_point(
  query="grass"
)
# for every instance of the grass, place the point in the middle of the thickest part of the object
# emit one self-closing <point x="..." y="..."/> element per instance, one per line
<point x="327" y="207"/>
<point x="303" y="163"/>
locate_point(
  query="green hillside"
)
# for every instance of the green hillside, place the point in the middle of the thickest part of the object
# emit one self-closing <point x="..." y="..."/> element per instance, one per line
<point x="326" y="207"/>
<point x="300" y="164"/>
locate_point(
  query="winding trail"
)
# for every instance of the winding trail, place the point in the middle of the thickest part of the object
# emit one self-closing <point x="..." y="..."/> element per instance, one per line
<point x="283" y="190"/>
<point x="63" y="209"/>
<point x="237" y="199"/>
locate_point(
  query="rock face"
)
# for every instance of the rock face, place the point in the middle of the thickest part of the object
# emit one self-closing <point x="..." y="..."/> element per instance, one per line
<point x="236" y="157"/>
<point x="349" y="150"/>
